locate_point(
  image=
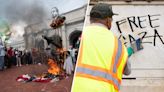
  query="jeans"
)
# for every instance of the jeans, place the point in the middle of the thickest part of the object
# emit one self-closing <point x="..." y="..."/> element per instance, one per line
<point x="1" y="62"/>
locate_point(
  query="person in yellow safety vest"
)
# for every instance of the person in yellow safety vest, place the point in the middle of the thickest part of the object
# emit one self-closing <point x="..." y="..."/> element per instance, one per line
<point x="102" y="58"/>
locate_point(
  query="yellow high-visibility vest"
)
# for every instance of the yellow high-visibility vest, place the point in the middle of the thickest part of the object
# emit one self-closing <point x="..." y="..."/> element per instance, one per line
<point x="100" y="62"/>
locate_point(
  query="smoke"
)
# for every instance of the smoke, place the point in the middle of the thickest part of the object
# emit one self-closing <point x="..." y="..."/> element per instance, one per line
<point x="21" y="13"/>
<point x="27" y="11"/>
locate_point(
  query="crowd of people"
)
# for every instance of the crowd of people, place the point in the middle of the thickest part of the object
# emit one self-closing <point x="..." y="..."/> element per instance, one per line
<point x="14" y="57"/>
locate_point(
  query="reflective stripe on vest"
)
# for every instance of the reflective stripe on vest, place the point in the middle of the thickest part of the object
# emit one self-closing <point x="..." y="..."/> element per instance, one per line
<point x="100" y="74"/>
<point x="118" y="55"/>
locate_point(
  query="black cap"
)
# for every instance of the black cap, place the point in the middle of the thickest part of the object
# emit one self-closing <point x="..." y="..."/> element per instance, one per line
<point x="102" y="11"/>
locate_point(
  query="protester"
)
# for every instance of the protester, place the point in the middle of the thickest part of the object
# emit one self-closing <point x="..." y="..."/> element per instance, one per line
<point x="2" y="55"/>
<point x="10" y="55"/>
<point x="68" y="65"/>
<point x="7" y="63"/>
<point x="72" y="54"/>
<point x="18" y="58"/>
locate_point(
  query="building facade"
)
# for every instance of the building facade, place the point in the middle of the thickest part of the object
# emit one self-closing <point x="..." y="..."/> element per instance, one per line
<point x="70" y="31"/>
<point x="20" y="44"/>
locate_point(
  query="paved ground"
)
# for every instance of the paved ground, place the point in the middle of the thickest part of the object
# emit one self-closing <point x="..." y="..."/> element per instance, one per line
<point x="8" y="81"/>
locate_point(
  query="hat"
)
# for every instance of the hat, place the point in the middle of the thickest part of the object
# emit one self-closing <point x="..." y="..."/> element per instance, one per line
<point x="102" y="11"/>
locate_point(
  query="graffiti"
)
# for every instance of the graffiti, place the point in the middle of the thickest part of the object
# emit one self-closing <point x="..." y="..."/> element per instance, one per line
<point x="141" y="22"/>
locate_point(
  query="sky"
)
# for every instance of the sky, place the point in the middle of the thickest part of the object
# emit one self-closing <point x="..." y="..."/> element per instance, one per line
<point x="64" y="5"/>
<point x="19" y="13"/>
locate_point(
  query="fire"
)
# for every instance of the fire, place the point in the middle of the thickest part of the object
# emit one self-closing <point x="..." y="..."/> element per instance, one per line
<point x="53" y="67"/>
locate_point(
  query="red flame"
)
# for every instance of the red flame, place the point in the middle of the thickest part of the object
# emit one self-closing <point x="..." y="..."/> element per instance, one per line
<point x="53" y="67"/>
